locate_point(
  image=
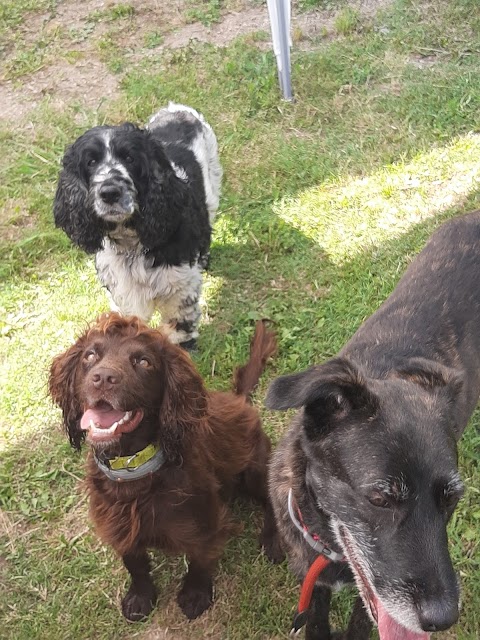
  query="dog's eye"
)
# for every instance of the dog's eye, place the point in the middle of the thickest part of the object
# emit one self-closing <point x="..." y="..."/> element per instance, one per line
<point x="129" y="159"/>
<point x="92" y="162"/>
<point x="378" y="500"/>
<point x="91" y="356"/>
<point x="450" y="500"/>
<point x="142" y="362"/>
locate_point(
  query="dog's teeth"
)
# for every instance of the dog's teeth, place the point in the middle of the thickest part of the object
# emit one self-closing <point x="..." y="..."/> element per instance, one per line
<point x="127" y="416"/>
<point x="92" y="424"/>
<point x="114" y="426"/>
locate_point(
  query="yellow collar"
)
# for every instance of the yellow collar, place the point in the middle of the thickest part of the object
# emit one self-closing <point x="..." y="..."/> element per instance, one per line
<point x="134" y="461"/>
<point x="134" y="467"/>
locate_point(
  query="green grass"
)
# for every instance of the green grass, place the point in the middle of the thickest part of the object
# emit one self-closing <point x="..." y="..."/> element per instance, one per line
<point x="27" y="59"/>
<point x="347" y="21"/>
<point x="116" y="12"/>
<point x="153" y="39"/>
<point x="325" y="202"/>
<point x="206" y="11"/>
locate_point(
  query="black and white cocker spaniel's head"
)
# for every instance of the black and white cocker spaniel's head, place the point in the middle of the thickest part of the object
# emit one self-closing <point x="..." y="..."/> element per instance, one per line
<point x="118" y="177"/>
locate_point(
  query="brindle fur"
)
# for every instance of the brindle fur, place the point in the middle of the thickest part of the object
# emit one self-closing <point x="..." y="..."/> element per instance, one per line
<point x="372" y="452"/>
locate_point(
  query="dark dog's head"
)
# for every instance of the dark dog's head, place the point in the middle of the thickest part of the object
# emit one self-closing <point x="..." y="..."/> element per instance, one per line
<point x="123" y="383"/>
<point x="118" y="181"/>
<point x="382" y="463"/>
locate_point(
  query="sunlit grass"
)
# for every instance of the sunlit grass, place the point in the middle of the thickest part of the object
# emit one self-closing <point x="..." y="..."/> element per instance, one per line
<point x="348" y="216"/>
<point x="325" y="201"/>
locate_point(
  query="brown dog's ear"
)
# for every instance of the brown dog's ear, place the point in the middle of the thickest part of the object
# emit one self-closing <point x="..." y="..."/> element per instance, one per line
<point x="185" y="398"/>
<point x="328" y="392"/>
<point x="61" y="386"/>
<point x="430" y="375"/>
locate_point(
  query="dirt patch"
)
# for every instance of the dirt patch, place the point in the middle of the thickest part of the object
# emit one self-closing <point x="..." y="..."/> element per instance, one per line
<point x="232" y="26"/>
<point x="309" y="27"/>
<point x="423" y="61"/>
<point x="88" y="81"/>
<point x="305" y="26"/>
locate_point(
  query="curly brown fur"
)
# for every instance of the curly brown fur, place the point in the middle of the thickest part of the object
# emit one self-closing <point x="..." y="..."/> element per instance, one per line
<point x="212" y="442"/>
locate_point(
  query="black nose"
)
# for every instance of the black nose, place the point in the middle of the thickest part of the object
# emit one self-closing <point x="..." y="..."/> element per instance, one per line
<point x="106" y="378"/>
<point x="110" y="193"/>
<point x="437" y="614"/>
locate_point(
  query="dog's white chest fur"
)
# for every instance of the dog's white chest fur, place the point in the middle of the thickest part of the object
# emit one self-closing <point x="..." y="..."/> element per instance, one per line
<point x="140" y="288"/>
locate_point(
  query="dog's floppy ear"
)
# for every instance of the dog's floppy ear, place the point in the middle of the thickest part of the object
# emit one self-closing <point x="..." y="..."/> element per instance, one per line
<point x="72" y="210"/>
<point x="329" y="392"/>
<point x="165" y="201"/>
<point x="184" y="405"/>
<point x="62" y="390"/>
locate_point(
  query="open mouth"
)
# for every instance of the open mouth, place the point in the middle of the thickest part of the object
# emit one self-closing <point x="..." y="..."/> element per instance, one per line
<point x="104" y="423"/>
<point x="388" y="627"/>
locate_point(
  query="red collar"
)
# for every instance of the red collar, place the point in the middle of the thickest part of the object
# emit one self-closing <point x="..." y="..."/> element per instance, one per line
<point x="326" y="555"/>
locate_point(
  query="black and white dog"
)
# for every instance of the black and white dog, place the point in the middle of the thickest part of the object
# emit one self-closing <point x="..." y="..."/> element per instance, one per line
<point x="143" y="201"/>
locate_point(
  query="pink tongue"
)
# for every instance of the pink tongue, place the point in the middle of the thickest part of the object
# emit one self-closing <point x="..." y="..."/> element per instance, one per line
<point x="103" y="419"/>
<point x="389" y="629"/>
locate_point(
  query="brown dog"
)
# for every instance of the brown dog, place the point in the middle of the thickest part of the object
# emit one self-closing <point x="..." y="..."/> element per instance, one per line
<point x="165" y="452"/>
<point x="369" y="466"/>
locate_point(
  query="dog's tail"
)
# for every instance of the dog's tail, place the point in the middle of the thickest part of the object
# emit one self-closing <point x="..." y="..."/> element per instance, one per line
<point x="262" y="346"/>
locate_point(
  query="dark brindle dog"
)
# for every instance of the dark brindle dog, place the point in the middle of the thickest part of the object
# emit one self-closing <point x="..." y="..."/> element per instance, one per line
<point x="371" y="458"/>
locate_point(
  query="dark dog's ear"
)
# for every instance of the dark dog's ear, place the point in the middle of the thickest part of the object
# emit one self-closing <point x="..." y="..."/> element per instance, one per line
<point x="62" y="390"/>
<point x="329" y="392"/>
<point x="72" y="210"/>
<point x="166" y="201"/>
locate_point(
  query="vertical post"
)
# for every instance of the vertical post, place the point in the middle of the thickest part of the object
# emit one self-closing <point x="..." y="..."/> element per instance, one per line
<point x="280" y="13"/>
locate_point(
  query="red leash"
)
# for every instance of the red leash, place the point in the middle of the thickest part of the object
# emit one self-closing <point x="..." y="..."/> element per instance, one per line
<point x="326" y="555"/>
<point x="315" y="570"/>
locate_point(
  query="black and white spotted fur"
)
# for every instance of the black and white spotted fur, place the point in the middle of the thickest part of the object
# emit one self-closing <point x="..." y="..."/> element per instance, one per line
<point x="143" y="201"/>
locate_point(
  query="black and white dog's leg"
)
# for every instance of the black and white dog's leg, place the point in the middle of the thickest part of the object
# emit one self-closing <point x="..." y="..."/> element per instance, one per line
<point x="181" y="309"/>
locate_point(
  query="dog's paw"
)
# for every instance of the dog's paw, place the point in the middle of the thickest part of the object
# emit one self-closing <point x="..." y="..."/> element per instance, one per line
<point x="271" y="545"/>
<point x="138" y="606"/>
<point x="273" y="549"/>
<point x="189" y="345"/>
<point x="194" y="600"/>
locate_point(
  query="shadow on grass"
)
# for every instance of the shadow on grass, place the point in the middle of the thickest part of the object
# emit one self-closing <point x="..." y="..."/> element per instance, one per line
<point x="316" y="305"/>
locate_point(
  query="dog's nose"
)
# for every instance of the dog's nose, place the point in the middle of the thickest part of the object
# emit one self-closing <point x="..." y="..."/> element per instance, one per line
<point x="437" y="614"/>
<point x="110" y="193"/>
<point x="106" y="378"/>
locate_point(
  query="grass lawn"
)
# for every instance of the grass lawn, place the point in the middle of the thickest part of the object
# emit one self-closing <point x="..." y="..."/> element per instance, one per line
<point x="325" y="202"/>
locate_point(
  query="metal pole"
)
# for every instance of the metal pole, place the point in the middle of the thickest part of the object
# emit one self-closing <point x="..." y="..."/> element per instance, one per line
<point x="279" y="11"/>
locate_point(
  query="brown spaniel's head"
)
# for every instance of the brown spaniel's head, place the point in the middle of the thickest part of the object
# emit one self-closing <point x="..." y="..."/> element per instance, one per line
<point x="122" y="378"/>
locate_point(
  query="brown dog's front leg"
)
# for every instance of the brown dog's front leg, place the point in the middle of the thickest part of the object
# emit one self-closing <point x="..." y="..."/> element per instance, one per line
<point x="141" y="597"/>
<point x="196" y="594"/>
<point x="318" y="627"/>
<point x="270" y="536"/>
